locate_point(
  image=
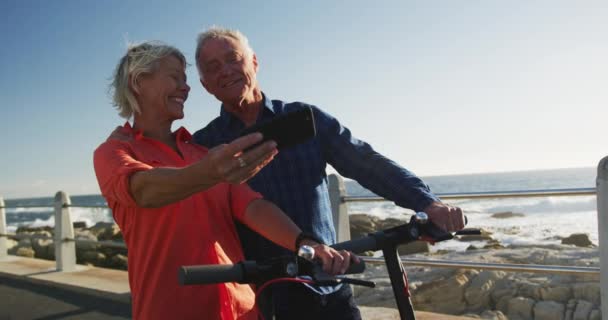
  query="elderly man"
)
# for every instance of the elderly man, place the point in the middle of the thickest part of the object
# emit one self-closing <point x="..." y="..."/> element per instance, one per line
<point x="295" y="180"/>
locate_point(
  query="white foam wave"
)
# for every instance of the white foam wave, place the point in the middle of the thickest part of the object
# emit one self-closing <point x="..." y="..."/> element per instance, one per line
<point x="29" y="210"/>
<point x="531" y="205"/>
<point x="544" y="220"/>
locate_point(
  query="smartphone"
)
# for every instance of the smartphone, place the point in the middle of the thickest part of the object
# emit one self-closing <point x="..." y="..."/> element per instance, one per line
<point x="287" y="130"/>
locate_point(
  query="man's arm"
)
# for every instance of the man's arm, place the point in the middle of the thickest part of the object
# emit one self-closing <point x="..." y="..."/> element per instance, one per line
<point x="268" y="220"/>
<point x="356" y="159"/>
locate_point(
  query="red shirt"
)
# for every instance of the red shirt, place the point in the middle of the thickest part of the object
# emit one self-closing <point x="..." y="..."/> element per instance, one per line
<point x="197" y="230"/>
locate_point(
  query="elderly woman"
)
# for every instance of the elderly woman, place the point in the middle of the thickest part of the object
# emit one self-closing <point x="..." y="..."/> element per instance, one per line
<point x="175" y="201"/>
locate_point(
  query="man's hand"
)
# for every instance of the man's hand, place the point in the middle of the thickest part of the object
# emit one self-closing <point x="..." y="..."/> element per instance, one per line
<point x="229" y="163"/>
<point x="334" y="261"/>
<point x="445" y="217"/>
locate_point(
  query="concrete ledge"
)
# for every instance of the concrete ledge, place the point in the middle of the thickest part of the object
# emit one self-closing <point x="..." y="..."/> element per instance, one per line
<point x="99" y="282"/>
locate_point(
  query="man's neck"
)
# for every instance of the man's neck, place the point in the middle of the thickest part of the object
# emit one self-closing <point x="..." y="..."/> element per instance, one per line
<point x="247" y="110"/>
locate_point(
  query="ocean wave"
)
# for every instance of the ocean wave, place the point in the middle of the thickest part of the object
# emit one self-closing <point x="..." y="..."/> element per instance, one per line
<point x="531" y="205"/>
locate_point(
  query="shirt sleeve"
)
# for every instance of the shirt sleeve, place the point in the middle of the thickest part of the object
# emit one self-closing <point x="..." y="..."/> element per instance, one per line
<point x="241" y="195"/>
<point x="114" y="165"/>
<point x="356" y="159"/>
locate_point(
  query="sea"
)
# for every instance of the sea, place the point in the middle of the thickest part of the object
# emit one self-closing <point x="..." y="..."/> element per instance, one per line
<point x="542" y="220"/>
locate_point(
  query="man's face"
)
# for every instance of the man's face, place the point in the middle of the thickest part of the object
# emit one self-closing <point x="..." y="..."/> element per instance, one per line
<point x="228" y="70"/>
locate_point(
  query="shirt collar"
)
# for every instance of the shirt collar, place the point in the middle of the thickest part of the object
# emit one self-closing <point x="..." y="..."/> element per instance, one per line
<point x="181" y="134"/>
<point x="230" y="121"/>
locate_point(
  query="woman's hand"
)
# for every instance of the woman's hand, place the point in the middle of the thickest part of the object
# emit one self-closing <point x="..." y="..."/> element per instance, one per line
<point x="230" y="163"/>
<point x="334" y="261"/>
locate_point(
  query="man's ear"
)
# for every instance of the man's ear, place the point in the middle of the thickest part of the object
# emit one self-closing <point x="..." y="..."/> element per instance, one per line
<point x="255" y="62"/>
<point x="204" y="84"/>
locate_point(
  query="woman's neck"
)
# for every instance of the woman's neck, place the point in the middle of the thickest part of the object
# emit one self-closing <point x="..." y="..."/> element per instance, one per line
<point x="157" y="131"/>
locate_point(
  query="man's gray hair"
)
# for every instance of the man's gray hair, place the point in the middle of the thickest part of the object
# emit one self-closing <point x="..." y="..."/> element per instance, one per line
<point x="216" y="32"/>
<point x="140" y="59"/>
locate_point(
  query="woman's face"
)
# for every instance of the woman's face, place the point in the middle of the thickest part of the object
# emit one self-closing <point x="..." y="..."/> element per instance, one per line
<point x="162" y="94"/>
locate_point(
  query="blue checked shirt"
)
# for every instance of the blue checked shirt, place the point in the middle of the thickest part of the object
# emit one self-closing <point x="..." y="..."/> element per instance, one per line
<point x="296" y="181"/>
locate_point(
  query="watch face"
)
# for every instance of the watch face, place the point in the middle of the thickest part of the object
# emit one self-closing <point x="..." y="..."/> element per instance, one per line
<point x="306" y="252"/>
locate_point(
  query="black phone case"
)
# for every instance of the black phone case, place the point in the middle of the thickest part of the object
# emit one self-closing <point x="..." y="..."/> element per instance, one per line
<point x="287" y="129"/>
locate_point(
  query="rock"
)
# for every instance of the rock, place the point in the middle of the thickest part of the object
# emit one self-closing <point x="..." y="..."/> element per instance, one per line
<point x="119" y="261"/>
<point x="493" y="315"/>
<point x="10" y="243"/>
<point x="520" y="308"/>
<point x="85" y="235"/>
<point x="42" y="234"/>
<point x="23" y="248"/>
<point x="361" y="225"/>
<point x="570" y="306"/>
<point x="44" y="248"/>
<point x="484" y="236"/>
<point x="443" y="295"/>
<point x="504" y="287"/>
<point x="477" y="294"/>
<point x="578" y="239"/>
<point x="595" y="315"/>
<point x="389" y="223"/>
<point x="25" y="252"/>
<point x="79" y="225"/>
<point x="560" y="294"/>
<point x="502" y="304"/>
<point x="589" y="291"/>
<point x="92" y="257"/>
<point x="106" y="231"/>
<point x="582" y="311"/>
<point x="26" y="229"/>
<point x="529" y="290"/>
<point x="507" y="214"/>
<point x="493" y="244"/>
<point x="375" y="296"/>
<point x="414" y="247"/>
<point x="549" y="310"/>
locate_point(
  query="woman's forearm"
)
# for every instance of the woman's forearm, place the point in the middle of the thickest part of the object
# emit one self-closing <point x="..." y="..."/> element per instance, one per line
<point x="271" y="222"/>
<point x="162" y="186"/>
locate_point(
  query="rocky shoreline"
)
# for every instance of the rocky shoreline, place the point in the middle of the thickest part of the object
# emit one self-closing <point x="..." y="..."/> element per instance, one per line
<point x="489" y="294"/>
<point x="485" y="294"/>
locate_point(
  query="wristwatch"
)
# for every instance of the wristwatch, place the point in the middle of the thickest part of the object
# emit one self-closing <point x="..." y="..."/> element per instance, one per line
<point x="306" y="236"/>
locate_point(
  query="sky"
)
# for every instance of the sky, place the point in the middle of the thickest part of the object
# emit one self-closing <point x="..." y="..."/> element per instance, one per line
<point x="441" y="87"/>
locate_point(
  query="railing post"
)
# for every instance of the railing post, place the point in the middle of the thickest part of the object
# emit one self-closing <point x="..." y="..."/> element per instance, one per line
<point x="3" y="246"/>
<point x="337" y="192"/>
<point x="65" y="251"/>
<point x="602" y="222"/>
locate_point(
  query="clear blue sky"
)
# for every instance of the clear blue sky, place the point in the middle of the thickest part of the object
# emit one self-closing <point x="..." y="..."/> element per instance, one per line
<point x="442" y="87"/>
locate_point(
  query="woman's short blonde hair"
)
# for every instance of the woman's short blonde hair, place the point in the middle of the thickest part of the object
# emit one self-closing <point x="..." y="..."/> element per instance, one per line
<point x="140" y="59"/>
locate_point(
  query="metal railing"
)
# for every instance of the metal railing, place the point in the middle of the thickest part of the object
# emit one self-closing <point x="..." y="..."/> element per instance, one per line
<point x="63" y="237"/>
<point x="344" y="234"/>
<point x="493" y="194"/>
<point x="65" y="251"/>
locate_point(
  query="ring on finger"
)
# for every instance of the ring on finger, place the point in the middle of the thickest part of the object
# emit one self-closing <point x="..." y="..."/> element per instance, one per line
<point x="241" y="162"/>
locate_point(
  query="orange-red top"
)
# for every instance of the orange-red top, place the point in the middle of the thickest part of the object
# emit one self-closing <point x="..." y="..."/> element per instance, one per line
<point x="197" y="230"/>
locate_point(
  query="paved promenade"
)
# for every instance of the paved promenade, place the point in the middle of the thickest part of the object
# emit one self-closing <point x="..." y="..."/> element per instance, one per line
<point x="31" y="289"/>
